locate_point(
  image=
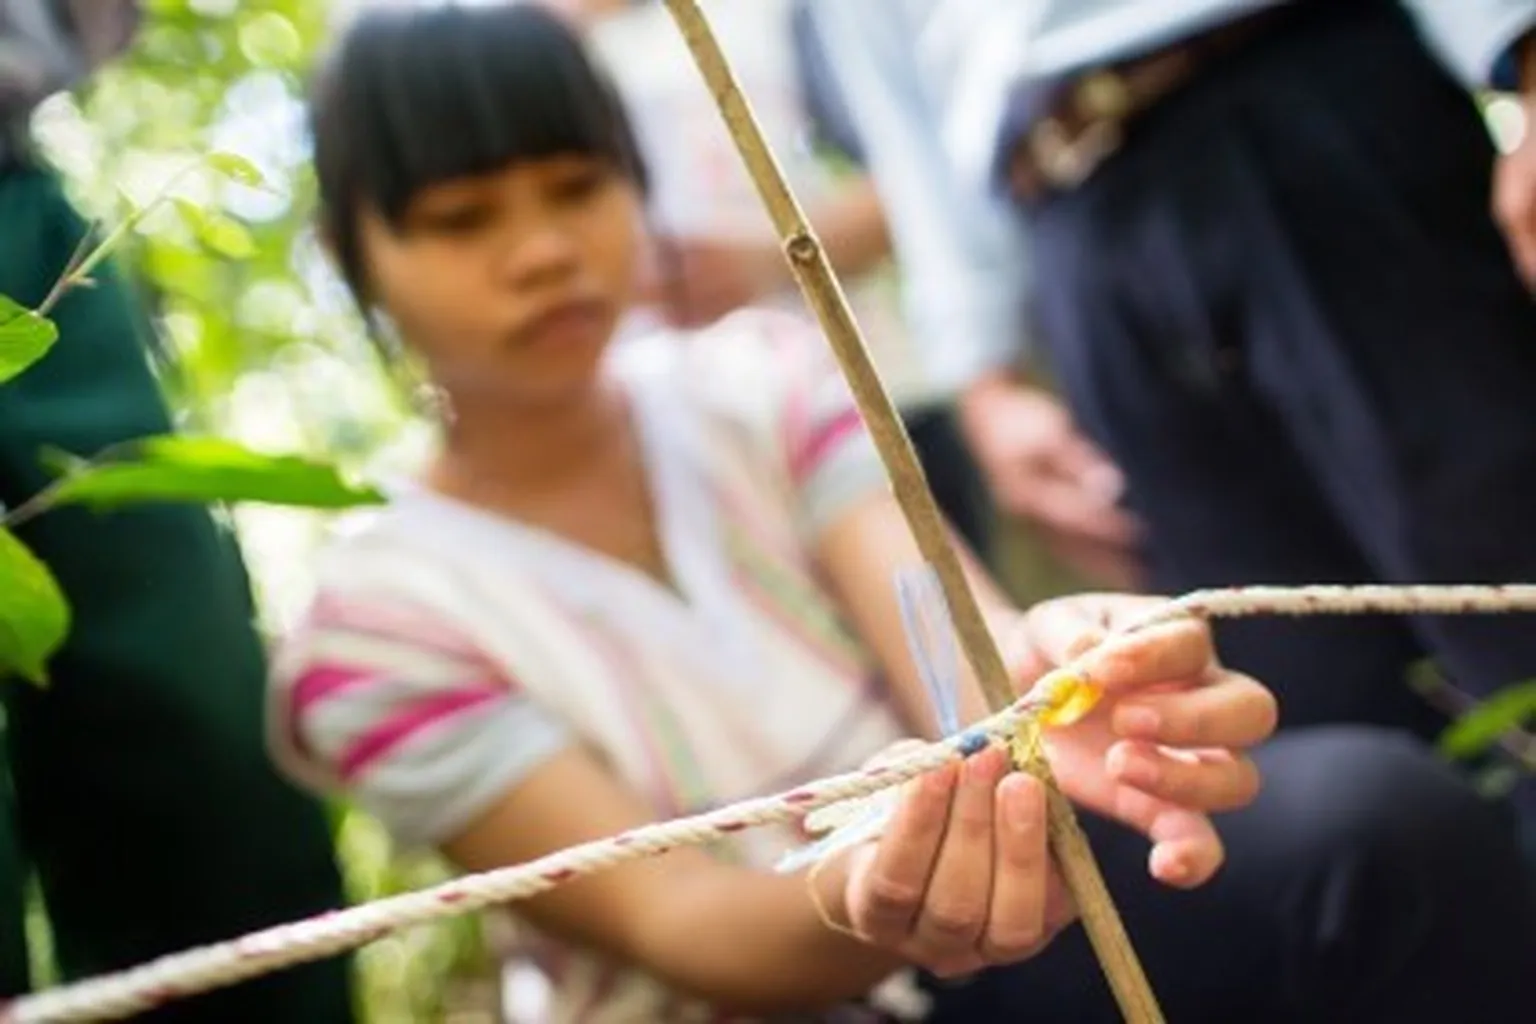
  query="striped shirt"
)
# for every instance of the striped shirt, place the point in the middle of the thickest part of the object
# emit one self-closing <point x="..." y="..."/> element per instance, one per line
<point x="449" y="652"/>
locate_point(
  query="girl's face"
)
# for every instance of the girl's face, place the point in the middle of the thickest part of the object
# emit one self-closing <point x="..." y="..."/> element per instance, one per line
<point x="509" y="284"/>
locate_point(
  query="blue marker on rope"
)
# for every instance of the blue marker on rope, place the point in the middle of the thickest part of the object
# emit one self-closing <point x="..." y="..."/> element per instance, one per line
<point x="931" y="639"/>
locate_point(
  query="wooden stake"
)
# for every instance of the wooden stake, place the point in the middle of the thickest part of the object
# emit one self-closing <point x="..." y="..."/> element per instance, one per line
<point x="819" y="284"/>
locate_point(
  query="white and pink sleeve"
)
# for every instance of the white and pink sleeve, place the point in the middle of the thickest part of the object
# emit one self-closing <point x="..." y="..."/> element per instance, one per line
<point x="398" y="710"/>
<point x="818" y="432"/>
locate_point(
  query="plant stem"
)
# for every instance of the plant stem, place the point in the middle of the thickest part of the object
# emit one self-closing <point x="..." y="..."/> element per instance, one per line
<point x="78" y="270"/>
<point x="62" y="283"/>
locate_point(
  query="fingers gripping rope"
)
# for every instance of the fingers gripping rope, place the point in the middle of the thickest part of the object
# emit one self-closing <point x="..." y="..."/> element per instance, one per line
<point x="183" y="974"/>
<point x="115" y="996"/>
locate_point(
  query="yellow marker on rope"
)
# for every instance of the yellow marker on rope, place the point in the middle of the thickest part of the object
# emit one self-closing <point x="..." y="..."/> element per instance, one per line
<point x="1068" y="698"/>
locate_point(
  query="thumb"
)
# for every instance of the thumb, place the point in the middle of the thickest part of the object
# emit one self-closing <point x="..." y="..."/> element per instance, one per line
<point x="1059" y="631"/>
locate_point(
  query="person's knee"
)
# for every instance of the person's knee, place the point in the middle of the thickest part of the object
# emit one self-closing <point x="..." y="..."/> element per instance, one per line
<point x="1382" y="803"/>
<point x="1396" y="881"/>
<point x="1363" y="789"/>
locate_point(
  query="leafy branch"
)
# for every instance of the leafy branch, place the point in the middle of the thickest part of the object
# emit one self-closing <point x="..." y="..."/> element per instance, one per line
<point x="77" y="273"/>
<point x="34" y="612"/>
<point x="178" y="468"/>
<point x="34" y="616"/>
<point x="26" y="335"/>
<point x="1501" y="720"/>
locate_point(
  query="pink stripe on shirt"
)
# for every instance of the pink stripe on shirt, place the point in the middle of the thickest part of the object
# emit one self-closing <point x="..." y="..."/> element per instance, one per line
<point x="809" y="454"/>
<point x="393" y="623"/>
<point x="325" y="680"/>
<point x="316" y="685"/>
<point x="396" y="729"/>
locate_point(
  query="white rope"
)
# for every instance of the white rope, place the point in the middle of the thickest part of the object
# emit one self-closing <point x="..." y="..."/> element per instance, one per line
<point x="122" y="994"/>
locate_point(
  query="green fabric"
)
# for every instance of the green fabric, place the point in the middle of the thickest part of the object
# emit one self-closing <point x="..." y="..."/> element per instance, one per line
<point x="145" y="797"/>
<point x="13" y="876"/>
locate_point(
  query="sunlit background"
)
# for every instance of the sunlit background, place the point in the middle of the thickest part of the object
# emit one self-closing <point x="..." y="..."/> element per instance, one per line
<point x="262" y="345"/>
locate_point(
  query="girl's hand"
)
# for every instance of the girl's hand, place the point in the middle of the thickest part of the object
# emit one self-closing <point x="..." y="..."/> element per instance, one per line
<point x="1165" y="746"/>
<point x="961" y="878"/>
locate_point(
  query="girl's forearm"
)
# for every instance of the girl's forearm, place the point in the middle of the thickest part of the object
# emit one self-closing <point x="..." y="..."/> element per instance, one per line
<point x="748" y="940"/>
<point x="753" y="943"/>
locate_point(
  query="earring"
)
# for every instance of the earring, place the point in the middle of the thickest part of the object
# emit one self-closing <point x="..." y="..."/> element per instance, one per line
<point x="427" y="399"/>
<point x="432" y="402"/>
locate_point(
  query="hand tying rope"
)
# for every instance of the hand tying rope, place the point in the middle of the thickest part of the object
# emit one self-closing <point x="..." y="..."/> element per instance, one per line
<point x="1065" y="691"/>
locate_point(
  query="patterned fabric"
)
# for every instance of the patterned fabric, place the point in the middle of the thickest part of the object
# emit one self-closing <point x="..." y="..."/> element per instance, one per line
<point x="450" y="652"/>
<point x="49" y="45"/>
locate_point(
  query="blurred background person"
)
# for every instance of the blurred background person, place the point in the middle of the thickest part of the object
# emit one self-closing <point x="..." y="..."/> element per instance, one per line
<point x="1265" y="267"/>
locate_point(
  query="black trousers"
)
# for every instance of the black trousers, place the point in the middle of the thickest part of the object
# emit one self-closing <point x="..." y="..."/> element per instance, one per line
<point x="1284" y="309"/>
<point x="1367" y="883"/>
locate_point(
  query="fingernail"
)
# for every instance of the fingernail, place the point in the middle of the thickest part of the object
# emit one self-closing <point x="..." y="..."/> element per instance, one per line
<point x="1137" y="720"/>
<point x="983" y="768"/>
<point x="1105" y="482"/>
<point x="975" y="770"/>
<point x="1170" y="867"/>
<point x="1084" y="643"/>
<point x="1113" y="665"/>
<point x="1023" y="814"/>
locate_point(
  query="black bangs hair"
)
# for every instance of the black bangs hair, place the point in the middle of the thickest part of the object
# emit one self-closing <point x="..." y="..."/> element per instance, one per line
<point x="416" y="96"/>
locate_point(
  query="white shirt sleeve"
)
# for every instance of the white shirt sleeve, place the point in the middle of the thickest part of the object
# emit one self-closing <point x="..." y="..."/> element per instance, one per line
<point x="961" y="249"/>
<point x="1471" y="35"/>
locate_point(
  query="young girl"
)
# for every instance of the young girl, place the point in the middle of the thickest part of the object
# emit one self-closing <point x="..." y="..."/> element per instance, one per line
<point x="717" y="249"/>
<point x="628" y="590"/>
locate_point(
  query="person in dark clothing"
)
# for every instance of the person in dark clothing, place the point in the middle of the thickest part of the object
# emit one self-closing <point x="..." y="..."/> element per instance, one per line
<point x="1258" y="249"/>
<point x="140" y="792"/>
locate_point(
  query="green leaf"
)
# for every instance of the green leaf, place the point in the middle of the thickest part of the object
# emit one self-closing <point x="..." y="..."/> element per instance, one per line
<point x="34" y="617"/>
<point x="190" y="213"/>
<point x="25" y="337"/>
<point x="219" y="232"/>
<point x="270" y="40"/>
<point x="236" y="168"/>
<point x="202" y="469"/>
<point x="226" y="236"/>
<point x="1479" y="729"/>
<point x="60" y="462"/>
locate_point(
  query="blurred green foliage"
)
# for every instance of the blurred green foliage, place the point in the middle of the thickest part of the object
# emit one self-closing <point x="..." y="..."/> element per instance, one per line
<point x="260" y="341"/>
<point x="259" y="350"/>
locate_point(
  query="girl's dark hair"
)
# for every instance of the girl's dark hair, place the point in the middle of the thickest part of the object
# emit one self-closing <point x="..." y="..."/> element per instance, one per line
<point x="415" y="96"/>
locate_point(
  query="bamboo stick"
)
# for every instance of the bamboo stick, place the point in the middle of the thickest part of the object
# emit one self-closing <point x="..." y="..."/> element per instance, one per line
<point x="813" y="273"/>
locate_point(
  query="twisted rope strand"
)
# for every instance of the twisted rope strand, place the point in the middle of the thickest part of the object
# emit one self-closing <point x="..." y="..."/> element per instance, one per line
<point x="175" y="976"/>
<point x="122" y="994"/>
<point x="1412" y="599"/>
